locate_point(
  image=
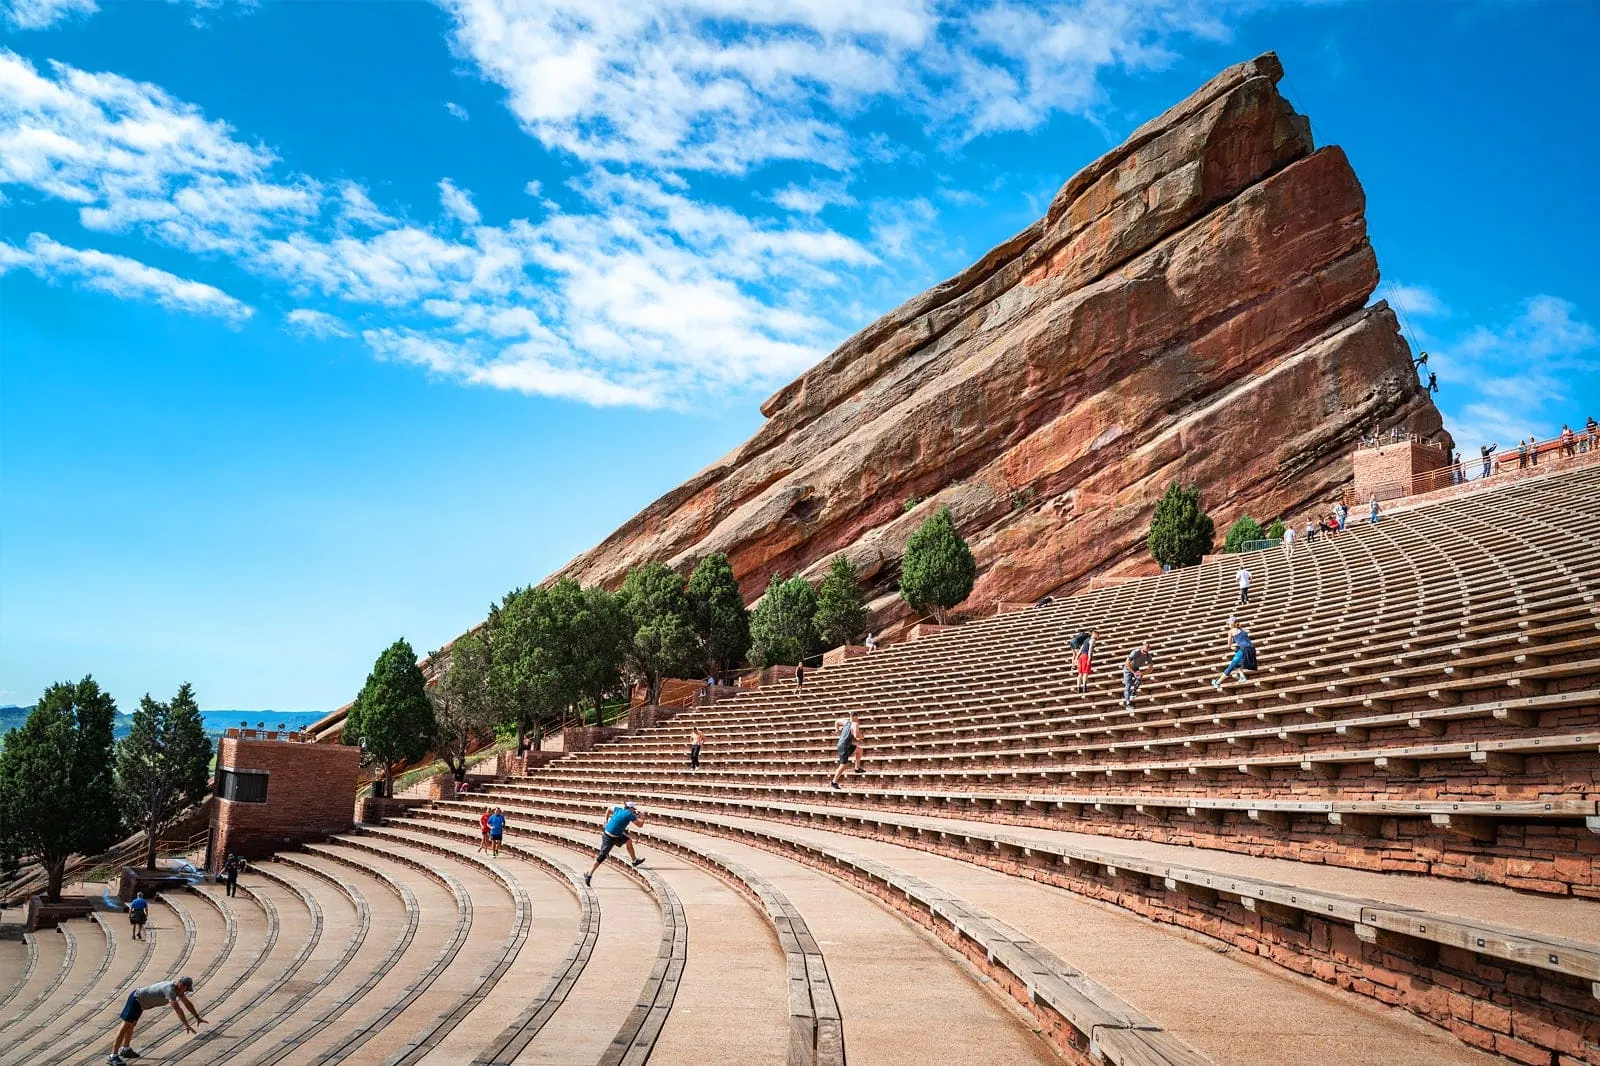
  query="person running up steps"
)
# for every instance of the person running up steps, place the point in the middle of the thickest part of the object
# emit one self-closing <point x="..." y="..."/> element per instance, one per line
<point x="849" y="747"/>
<point x="1133" y="668"/>
<point x="696" y="738"/>
<point x="173" y="992"/>
<point x="1244" y="656"/>
<point x="1083" y="644"/>
<point x="497" y="830"/>
<point x="1244" y="584"/>
<point x="138" y="914"/>
<point x="483" y="827"/>
<point x="616" y="832"/>
<point x="1288" y="540"/>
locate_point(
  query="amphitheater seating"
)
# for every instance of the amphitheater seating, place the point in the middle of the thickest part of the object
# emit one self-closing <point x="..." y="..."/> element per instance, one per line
<point x="1399" y="806"/>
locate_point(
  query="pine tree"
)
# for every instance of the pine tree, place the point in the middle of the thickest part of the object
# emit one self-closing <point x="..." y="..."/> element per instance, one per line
<point x="721" y="620"/>
<point x="938" y="569"/>
<point x="463" y="700"/>
<point x="1180" y="533"/>
<point x="1240" y="533"/>
<point x="783" y="628"/>
<point x="841" y="606"/>
<point x="392" y="717"/>
<point x="1275" y="531"/>
<point x="163" y="765"/>
<point x="57" y="785"/>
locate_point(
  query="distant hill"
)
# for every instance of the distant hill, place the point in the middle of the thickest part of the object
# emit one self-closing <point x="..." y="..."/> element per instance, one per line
<point x="215" y="721"/>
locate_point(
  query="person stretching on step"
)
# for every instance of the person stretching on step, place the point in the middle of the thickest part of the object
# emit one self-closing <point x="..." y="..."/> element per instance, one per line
<point x="1133" y="668"/>
<point x="616" y="832"/>
<point x="1244" y="656"/>
<point x="173" y="992"/>
<point x="849" y="741"/>
<point x="1083" y="644"/>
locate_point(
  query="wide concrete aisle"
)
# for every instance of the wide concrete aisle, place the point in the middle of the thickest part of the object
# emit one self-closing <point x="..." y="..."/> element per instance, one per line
<point x="904" y="1000"/>
<point x="624" y="952"/>
<point x="1238" y="1012"/>
<point x="733" y="1003"/>
<point x="1551" y="915"/>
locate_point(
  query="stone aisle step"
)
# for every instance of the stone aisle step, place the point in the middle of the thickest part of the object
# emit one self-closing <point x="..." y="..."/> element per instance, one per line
<point x="250" y="933"/>
<point x="1236" y="1011"/>
<point x="119" y="975"/>
<point x="905" y="1001"/>
<point x="493" y="916"/>
<point x="387" y="925"/>
<point x="18" y="960"/>
<point x="403" y="1000"/>
<point x="293" y="933"/>
<point x="551" y="917"/>
<point x="625" y="949"/>
<point x="62" y="953"/>
<point x="205" y="939"/>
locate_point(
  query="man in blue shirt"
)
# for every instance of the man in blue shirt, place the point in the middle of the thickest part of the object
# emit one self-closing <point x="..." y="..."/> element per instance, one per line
<point x="1244" y="656"/>
<point x="616" y="832"/>
<point x="138" y="914"/>
<point x="497" y="829"/>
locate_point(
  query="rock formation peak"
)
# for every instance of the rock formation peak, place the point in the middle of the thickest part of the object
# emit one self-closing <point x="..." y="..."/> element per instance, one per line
<point x="1192" y="307"/>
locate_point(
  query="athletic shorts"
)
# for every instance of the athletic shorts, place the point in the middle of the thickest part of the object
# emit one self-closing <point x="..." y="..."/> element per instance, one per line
<point x="607" y="842"/>
<point x="132" y="1009"/>
<point x="496" y="836"/>
<point x="846" y="751"/>
<point x="1083" y="662"/>
<point x="138" y="917"/>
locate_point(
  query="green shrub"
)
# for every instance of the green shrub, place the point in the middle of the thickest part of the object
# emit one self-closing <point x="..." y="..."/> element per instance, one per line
<point x="1181" y="534"/>
<point x="938" y="570"/>
<point x="1244" y="530"/>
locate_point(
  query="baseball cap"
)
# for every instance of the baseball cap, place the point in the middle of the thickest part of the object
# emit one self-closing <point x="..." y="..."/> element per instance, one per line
<point x="629" y="804"/>
<point x="186" y="982"/>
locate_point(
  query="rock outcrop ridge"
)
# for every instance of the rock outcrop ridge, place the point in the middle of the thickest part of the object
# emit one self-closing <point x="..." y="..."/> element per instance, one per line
<point x="1193" y="306"/>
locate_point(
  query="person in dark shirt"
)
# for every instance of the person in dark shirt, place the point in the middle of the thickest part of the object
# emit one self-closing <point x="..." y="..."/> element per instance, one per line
<point x="1133" y="668"/>
<point x="1083" y="644"/>
<point x="1485" y="452"/>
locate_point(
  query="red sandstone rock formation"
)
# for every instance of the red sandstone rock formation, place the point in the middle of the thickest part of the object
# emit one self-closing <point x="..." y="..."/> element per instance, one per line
<point x="1192" y="307"/>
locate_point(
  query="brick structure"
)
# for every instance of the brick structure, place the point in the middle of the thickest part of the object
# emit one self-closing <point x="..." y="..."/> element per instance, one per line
<point x="273" y="793"/>
<point x="1391" y="470"/>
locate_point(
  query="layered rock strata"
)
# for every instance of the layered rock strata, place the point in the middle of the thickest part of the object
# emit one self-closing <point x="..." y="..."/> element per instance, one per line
<point x="1192" y="307"/>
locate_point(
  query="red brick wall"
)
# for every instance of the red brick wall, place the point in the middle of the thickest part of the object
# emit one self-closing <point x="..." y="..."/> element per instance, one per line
<point x="1388" y="470"/>
<point x="311" y="791"/>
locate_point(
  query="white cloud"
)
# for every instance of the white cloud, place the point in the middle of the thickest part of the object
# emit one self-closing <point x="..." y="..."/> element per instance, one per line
<point x="1515" y="379"/>
<point x="305" y="322"/>
<point x="811" y="199"/>
<point x="457" y="203"/>
<point x="40" y="14"/>
<point x="456" y="110"/>
<point x="534" y="188"/>
<point x="1418" y="301"/>
<point x="120" y="276"/>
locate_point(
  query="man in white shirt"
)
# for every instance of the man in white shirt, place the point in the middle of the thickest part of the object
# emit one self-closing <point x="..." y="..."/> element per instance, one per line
<point x="1244" y="585"/>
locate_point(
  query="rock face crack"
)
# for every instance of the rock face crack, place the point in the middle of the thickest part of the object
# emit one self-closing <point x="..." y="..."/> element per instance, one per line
<point x="1193" y="305"/>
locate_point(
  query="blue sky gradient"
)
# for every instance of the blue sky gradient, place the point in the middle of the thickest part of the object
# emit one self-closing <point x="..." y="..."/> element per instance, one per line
<point x="324" y="323"/>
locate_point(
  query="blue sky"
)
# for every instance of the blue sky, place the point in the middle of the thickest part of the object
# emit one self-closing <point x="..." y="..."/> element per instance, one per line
<point x="325" y="323"/>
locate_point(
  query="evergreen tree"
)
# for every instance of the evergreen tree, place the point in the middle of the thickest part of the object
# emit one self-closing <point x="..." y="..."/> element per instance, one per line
<point x="783" y="628"/>
<point x="464" y="708"/>
<point x="392" y="717"/>
<point x="530" y="646"/>
<point x="841" y="606"/>
<point x="720" y="618"/>
<point x="1275" y="531"/>
<point x="1181" y="534"/>
<point x="163" y="765"/>
<point x="57" y="784"/>
<point x="661" y="641"/>
<point x="601" y="642"/>
<point x="1242" y="531"/>
<point x="938" y="569"/>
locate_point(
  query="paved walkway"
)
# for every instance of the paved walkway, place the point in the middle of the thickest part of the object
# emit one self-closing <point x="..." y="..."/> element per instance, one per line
<point x="905" y="1001"/>
<point x="1239" y="1013"/>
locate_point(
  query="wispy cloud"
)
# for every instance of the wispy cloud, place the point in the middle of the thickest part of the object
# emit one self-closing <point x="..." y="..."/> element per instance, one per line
<point x="120" y="276"/>
<point x="456" y="110"/>
<point x="457" y="203"/>
<point x="1417" y="301"/>
<point x="40" y="14"/>
<point x="1515" y="378"/>
<point x="307" y="322"/>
